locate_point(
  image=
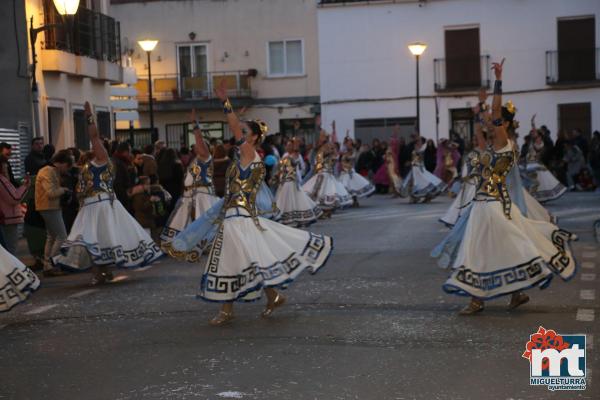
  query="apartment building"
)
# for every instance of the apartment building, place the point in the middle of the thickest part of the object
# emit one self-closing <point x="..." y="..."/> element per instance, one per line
<point x="265" y="50"/>
<point x="368" y="74"/>
<point x="78" y="58"/>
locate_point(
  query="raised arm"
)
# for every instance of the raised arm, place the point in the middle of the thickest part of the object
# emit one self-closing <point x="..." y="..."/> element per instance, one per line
<point x="246" y="149"/>
<point x="500" y="139"/>
<point x="98" y="149"/>
<point x="201" y="149"/>
<point x="480" y="111"/>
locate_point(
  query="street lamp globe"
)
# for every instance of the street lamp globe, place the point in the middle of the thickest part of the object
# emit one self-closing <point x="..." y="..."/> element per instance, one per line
<point x="148" y="44"/>
<point x="66" y="7"/>
<point x="417" y="48"/>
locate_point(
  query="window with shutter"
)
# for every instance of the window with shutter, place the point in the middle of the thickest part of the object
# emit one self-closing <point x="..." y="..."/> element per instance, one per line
<point x="463" y="64"/>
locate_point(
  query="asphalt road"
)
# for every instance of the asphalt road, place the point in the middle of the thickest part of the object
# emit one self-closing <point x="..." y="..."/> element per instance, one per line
<point x="373" y="324"/>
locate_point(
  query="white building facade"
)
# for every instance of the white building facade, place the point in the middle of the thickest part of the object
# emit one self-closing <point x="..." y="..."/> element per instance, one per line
<point x="77" y="61"/>
<point x="265" y="50"/>
<point x="552" y="66"/>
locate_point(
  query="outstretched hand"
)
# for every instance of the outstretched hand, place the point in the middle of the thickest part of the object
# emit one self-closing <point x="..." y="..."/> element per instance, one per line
<point x="221" y="90"/>
<point x="497" y="67"/>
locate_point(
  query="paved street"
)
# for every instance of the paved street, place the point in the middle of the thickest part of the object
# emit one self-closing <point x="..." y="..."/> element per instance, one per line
<point x="374" y="324"/>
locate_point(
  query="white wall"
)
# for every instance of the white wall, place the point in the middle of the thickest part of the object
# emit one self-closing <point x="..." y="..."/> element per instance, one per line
<point x="235" y="27"/>
<point x="363" y="55"/>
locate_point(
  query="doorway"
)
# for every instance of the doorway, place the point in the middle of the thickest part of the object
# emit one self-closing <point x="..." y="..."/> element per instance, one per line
<point x="462" y="123"/>
<point x="575" y="116"/>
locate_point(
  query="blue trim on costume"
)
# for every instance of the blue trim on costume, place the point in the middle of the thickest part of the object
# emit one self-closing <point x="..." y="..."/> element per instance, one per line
<point x="543" y="283"/>
<point x="261" y="285"/>
<point x="94" y="257"/>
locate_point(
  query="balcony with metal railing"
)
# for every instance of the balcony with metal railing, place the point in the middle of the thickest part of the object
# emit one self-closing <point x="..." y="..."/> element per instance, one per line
<point x="453" y="74"/>
<point x="88" y="33"/>
<point x="573" y="67"/>
<point x="178" y="87"/>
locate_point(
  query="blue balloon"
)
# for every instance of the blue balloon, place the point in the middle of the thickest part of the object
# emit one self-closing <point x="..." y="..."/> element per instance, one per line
<point x="270" y="160"/>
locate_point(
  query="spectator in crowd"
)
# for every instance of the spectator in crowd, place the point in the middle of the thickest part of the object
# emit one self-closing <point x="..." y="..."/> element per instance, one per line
<point x="69" y="202"/>
<point x="557" y="165"/>
<point x="124" y="174"/>
<point x="404" y="157"/>
<point x="580" y="141"/>
<point x="34" y="229"/>
<point x="170" y="175"/>
<point x="364" y="163"/>
<point x="159" y="147"/>
<point x="48" y="151"/>
<point x="575" y="162"/>
<point x="378" y="152"/>
<point x="430" y="156"/>
<point x="35" y="160"/>
<point x="146" y="165"/>
<point x="584" y="182"/>
<point x="220" y="164"/>
<point x="142" y="206"/>
<point x="48" y="192"/>
<point x="455" y="138"/>
<point x="5" y="155"/>
<point x="11" y="212"/>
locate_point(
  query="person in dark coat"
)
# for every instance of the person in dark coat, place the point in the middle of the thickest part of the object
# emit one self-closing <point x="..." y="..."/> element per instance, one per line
<point x="430" y="156"/>
<point x="124" y="178"/>
<point x="170" y="175"/>
<point x="36" y="159"/>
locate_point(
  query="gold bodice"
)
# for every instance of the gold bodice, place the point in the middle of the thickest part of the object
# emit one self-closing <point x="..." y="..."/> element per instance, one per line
<point x="95" y="180"/>
<point x="490" y="168"/>
<point x="324" y="161"/>
<point x="200" y="174"/>
<point x="347" y="163"/>
<point x="243" y="185"/>
<point x="288" y="169"/>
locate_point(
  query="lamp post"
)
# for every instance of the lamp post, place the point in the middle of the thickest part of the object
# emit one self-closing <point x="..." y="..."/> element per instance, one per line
<point x="64" y="8"/>
<point x="417" y="49"/>
<point x="148" y="45"/>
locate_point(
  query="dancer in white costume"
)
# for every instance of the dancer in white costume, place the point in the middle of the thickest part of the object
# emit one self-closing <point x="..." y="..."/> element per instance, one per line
<point x="249" y="253"/>
<point x="543" y="185"/>
<point x="104" y="233"/>
<point x="493" y="250"/>
<point x="323" y="187"/>
<point x="528" y="206"/>
<point x="421" y="185"/>
<point x="17" y="281"/>
<point x="467" y="190"/>
<point x="356" y="185"/>
<point x="198" y="197"/>
<point x="295" y="207"/>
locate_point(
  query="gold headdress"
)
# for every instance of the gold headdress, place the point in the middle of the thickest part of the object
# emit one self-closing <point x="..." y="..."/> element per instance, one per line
<point x="510" y="107"/>
<point x="264" y="129"/>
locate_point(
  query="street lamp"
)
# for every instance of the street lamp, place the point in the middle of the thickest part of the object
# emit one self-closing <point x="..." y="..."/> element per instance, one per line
<point x="63" y="7"/>
<point x="148" y="45"/>
<point x="417" y="49"/>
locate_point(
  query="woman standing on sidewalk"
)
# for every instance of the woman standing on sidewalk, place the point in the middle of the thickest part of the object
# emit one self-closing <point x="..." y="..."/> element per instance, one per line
<point x="11" y="212"/>
<point x="48" y="193"/>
